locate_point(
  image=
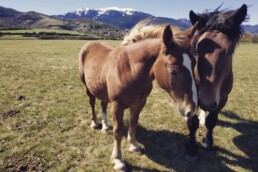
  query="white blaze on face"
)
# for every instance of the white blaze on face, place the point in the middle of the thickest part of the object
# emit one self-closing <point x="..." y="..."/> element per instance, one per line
<point x="188" y="64"/>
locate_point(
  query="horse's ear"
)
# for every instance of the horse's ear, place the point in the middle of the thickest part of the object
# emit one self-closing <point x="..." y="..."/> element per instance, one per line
<point x="167" y="36"/>
<point x="190" y="32"/>
<point x="193" y="17"/>
<point x="240" y="14"/>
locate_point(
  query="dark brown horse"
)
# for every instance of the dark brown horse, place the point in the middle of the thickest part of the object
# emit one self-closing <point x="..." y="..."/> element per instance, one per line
<point x="213" y="48"/>
<point x="218" y="34"/>
<point x="123" y="77"/>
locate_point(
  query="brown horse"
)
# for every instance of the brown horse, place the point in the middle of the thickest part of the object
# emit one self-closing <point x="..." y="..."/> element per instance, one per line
<point x="145" y="30"/>
<point x="123" y="77"/>
<point x="218" y="34"/>
<point x="213" y="48"/>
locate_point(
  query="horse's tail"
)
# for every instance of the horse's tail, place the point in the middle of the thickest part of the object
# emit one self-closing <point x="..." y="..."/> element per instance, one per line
<point x="82" y="57"/>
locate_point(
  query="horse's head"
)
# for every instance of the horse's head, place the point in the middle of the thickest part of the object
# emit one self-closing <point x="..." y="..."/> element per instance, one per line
<point x="174" y="70"/>
<point x="213" y="49"/>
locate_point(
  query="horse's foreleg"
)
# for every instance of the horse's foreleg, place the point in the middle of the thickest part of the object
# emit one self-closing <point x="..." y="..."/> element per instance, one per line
<point x="118" y="125"/>
<point x="104" y="116"/>
<point x="210" y="123"/>
<point x="191" y="146"/>
<point x="135" y="111"/>
<point x="202" y="117"/>
<point x="92" y="100"/>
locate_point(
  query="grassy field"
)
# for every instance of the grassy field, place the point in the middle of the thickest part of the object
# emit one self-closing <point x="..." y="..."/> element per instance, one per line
<point x="34" y="34"/>
<point x="41" y="30"/>
<point x="45" y="120"/>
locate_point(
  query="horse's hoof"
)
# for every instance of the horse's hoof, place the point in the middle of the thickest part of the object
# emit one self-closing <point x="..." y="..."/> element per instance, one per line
<point x="104" y="125"/>
<point x="208" y="149"/>
<point x="135" y="149"/>
<point x="94" y="125"/>
<point x="191" y="158"/>
<point x="206" y="146"/>
<point x="104" y="129"/>
<point x="119" y="165"/>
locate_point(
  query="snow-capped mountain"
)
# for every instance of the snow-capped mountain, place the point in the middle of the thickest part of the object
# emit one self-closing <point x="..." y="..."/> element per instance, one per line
<point x="120" y="17"/>
<point x="124" y="18"/>
<point x="102" y="11"/>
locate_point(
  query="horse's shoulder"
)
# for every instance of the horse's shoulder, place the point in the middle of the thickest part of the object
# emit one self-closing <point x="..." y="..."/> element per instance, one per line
<point x="103" y="45"/>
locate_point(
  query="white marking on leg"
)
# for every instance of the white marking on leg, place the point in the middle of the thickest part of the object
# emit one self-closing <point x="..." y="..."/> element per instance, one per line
<point x="202" y="117"/>
<point x="93" y="124"/>
<point x="188" y="64"/>
<point x="116" y="157"/>
<point x="133" y="147"/>
<point x="119" y="164"/>
<point x="104" y="122"/>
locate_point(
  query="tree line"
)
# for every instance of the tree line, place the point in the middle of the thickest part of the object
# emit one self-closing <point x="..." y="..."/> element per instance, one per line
<point x="98" y="34"/>
<point x="249" y="38"/>
<point x="55" y="35"/>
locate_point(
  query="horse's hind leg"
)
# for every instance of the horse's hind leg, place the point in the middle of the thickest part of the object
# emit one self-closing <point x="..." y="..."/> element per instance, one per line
<point x="135" y="111"/>
<point x="92" y="100"/>
<point x="104" y="116"/>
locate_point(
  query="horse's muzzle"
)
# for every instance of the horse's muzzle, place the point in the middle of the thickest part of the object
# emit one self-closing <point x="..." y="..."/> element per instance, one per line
<point x="209" y="108"/>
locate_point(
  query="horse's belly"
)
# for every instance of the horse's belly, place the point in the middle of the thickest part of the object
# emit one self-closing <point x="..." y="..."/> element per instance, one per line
<point x="97" y="88"/>
<point x="129" y="95"/>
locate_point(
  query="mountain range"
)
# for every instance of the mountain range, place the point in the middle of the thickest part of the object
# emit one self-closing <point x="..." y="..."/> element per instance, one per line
<point x="12" y="19"/>
<point x="111" y="19"/>
<point x="124" y="18"/>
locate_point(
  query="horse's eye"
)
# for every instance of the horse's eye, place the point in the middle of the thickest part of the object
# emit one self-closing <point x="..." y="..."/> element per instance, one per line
<point x="174" y="72"/>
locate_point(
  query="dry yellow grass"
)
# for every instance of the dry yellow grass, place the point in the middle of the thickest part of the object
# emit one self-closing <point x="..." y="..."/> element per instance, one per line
<point x="49" y="130"/>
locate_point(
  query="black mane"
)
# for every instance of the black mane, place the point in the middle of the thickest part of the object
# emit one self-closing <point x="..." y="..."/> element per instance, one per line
<point x="222" y="21"/>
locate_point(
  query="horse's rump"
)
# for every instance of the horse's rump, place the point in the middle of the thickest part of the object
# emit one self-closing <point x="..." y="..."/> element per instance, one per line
<point x="93" y="59"/>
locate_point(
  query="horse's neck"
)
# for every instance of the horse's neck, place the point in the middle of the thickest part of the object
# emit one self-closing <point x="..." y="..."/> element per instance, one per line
<point x="143" y="55"/>
<point x="148" y="53"/>
<point x="145" y="52"/>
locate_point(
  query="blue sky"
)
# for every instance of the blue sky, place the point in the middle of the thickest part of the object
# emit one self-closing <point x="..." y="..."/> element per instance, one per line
<point x="164" y="8"/>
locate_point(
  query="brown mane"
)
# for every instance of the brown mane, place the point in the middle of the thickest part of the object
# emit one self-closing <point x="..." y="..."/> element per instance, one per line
<point x="144" y="29"/>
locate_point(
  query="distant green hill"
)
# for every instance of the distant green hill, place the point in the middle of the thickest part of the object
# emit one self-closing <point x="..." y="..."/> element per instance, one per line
<point x="12" y="19"/>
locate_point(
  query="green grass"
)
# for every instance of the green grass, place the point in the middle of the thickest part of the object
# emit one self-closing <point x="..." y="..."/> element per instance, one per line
<point x="49" y="130"/>
<point x="16" y="37"/>
<point x="42" y="30"/>
<point x="38" y="33"/>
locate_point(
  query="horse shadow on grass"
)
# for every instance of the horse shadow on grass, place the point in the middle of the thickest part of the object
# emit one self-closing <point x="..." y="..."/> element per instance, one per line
<point x="246" y="141"/>
<point x="167" y="149"/>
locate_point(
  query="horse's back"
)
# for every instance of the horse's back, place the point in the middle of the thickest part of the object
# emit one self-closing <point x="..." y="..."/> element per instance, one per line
<point x="96" y="50"/>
